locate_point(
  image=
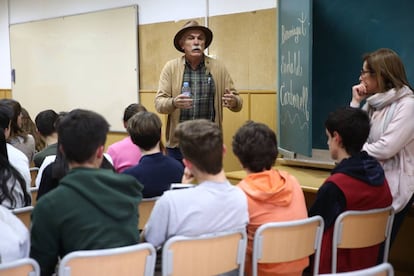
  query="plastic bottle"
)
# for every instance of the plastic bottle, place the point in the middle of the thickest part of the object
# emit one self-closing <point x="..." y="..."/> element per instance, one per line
<point x="186" y="89"/>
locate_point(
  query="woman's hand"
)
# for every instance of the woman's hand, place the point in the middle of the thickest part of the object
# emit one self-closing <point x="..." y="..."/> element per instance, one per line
<point x="359" y="93"/>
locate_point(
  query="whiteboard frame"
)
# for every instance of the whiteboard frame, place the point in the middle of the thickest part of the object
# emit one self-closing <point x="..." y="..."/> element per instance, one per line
<point x="87" y="60"/>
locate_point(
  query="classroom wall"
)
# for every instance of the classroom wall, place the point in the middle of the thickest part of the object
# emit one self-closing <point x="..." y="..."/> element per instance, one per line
<point x="244" y="39"/>
<point x="252" y="66"/>
<point x="155" y="11"/>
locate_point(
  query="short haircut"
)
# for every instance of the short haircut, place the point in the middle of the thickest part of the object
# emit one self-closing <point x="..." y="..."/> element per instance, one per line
<point x="201" y="142"/>
<point x="45" y="122"/>
<point x="255" y="145"/>
<point x="131" y="110"/>
<point x="81" y="133"/>
<point x="145" y="129"/>
<point x="352" y="124"/>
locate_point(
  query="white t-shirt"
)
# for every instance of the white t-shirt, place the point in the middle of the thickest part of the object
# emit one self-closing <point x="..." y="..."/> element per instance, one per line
<point x="207" y="208"/>
<point x="14" y="237"/>
<point x="50" y="159"/>
<point x="20" y="162"/>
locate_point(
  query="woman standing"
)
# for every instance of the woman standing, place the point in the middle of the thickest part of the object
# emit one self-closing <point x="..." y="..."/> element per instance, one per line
<point x="390" y="104"/>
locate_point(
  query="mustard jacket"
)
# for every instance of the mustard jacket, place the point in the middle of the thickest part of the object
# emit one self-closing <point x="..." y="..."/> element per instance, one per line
<point x="170" y="84"/>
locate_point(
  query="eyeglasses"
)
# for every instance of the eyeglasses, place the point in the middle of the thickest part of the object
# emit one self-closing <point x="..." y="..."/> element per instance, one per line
<point x="363" y="72"/>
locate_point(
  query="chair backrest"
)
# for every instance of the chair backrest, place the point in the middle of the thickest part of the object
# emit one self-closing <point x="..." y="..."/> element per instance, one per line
<point x="359" y="229"/>
<point x="33" y="174"/>
<point x="209" y="254"/>
<point x="26" y="266"/>
<point x="144" y="210"/>
<point x="384" y="269"/>
<point x="33" y="192"/>
<point x="138" y="259"/>
<point x="24" y="214"/>
<point x="277" y="242"/>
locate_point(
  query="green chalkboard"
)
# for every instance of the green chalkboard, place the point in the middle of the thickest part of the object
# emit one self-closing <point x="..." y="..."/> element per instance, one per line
<point x="342" y="32"/>
<point x="294" y="76"/>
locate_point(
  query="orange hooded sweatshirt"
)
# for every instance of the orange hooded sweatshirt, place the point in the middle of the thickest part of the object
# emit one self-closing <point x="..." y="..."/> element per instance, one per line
<point x="273" y="196"/>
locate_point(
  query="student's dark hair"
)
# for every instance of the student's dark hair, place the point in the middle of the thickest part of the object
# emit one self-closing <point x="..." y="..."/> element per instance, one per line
<point x="131" y="110"/>
<point x="7" y="172"/>
<point x="145" y="129"/>
<point x="81" y="133"/>
<point x="45" y="122"/>
<point x="201" y="142"/>
<point x="6" y="113"/>
<point x="15" y="129"/>
<point x="352" y="124"/>
<point x="255" y="145"/>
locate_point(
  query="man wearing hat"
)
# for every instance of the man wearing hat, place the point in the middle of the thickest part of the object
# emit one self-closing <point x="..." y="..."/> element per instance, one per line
<point x="212" y="87"/>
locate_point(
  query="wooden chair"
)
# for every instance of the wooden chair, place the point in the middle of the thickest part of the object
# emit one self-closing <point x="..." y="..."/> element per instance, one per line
<point x="24" y="214"/>
<point x="33" y="192"/>
<point x="144" y="210"/>
<point x="384" y="269"/>
<point x="359" y="229"/>
<point x="205" y="255"/>
<point x="33" y="174"/>
<point x="277" y="242"/>
<point x="138" y="259"/>
<point x="26" y="266"/>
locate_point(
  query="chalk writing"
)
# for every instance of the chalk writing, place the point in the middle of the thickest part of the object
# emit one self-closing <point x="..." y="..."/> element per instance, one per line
<point x="295" y="31"/>
<point x="295" y="100"/>
<point x="291" y="65"/>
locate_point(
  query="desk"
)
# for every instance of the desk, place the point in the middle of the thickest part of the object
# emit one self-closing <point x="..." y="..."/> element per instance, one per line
<point x="309" y="179"/>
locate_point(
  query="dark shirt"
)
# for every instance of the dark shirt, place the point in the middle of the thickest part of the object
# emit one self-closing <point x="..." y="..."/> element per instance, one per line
<point x="156" y="172"/>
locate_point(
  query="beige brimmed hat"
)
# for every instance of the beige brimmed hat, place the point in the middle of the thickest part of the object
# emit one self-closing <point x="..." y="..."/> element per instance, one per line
<point x="192" y="25"/>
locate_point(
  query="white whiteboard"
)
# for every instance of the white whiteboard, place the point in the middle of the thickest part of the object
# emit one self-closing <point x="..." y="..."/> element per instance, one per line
<point x="87" y="61"/>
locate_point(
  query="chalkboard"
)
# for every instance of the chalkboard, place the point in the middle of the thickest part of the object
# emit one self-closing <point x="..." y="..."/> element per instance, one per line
<point x="85" y="61"/>
<point x="294" y="76"/>
<point x="342" y="32"/>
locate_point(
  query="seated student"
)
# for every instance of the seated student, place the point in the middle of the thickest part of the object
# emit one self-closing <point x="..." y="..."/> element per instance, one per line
<point x="45" y="123"/>
<point x="16" y="157"/>
<point x="356" y="183"/>
<point x="49" y="174"/>
<point x="272" y="195"/>
<point x="155" y="171"/>
<point x="14" y="237"/>
<point x="125" y="153"/>
<point x="14" y="191"/>
<point x="214" y="205"/>
<point x="29" y="127"/>
<point x="18" y="137"/>
<point x="91" y="208"/>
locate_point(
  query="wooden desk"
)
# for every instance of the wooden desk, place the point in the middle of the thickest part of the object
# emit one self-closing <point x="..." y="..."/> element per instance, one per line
<point x="309" y="179"/>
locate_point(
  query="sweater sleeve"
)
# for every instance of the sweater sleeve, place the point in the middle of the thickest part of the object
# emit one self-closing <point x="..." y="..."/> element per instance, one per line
<point x="44" y="239"/>
<point x="330" y="202"/>
<point x="164" y="97"/>
<point x="156" y="229"/>
<point x="397" y="134"/>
